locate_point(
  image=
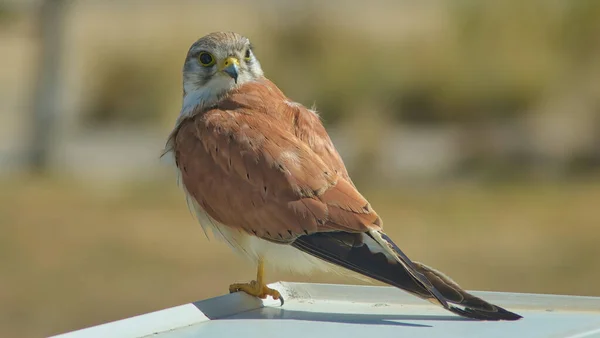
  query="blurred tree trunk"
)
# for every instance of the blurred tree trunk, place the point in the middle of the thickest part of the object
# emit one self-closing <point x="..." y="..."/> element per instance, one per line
<point x="46" y="92"/>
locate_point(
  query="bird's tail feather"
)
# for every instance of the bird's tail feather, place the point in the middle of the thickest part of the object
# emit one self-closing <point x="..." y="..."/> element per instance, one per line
<point x="375" y="255"/>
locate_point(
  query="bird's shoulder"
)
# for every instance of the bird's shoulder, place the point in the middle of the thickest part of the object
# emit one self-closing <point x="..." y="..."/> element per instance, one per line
<point x="273" y="108"/>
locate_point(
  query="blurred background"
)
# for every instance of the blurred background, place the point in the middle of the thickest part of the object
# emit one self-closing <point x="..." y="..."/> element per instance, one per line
<point x="473" y="127"/>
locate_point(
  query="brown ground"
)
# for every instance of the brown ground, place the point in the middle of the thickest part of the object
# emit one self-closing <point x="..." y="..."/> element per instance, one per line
<point x="72" y="257"/>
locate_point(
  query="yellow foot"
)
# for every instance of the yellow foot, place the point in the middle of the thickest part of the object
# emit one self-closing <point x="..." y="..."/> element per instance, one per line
<point x="255" y="289"/>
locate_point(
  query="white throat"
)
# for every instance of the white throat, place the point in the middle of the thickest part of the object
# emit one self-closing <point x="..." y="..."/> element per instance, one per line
<point x="199" y="97"/>
<point x="196" y="98"/>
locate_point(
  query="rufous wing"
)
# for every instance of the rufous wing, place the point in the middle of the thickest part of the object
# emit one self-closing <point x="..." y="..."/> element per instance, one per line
<point x="247" y="168"/>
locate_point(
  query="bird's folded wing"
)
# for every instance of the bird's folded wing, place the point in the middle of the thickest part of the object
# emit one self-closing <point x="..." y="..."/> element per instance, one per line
<point x="306" y="125"/>
<point x="247" y="170"/>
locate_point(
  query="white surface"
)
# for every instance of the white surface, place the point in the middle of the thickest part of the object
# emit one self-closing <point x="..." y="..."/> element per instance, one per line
<point x="326" y="310"/>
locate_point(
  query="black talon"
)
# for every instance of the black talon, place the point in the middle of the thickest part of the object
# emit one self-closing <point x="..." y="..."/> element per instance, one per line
<point x="281" y="300"/>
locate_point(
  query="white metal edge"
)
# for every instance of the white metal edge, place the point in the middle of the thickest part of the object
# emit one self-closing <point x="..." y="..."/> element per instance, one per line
<point x="143" y="325"/>
<point x="231" y="304"/>
<point x="392" y="295"/>
<point x="173" y="318"/>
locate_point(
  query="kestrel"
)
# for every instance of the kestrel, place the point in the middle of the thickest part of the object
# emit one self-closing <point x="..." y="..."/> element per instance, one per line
<point x="261" y="172"/>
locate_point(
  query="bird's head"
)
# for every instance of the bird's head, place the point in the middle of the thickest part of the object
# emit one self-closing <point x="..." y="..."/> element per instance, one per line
<point x="216" y="64"/>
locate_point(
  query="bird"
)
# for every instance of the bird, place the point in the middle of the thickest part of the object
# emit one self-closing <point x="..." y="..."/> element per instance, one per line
<point x="261" y="173"/>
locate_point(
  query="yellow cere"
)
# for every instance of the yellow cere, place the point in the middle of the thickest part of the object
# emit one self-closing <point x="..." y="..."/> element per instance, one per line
<point x="230" y="61"/>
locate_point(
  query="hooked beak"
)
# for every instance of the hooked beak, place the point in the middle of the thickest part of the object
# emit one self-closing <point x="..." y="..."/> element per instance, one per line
<point x="230" y="67"/>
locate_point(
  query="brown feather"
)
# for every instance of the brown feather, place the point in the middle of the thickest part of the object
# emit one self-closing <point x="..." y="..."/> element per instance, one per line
<point x="258" y="162"/>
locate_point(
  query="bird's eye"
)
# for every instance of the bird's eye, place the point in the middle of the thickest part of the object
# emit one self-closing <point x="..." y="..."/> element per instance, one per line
<point x="247" y="55"/>
<point x="206" y="59"/>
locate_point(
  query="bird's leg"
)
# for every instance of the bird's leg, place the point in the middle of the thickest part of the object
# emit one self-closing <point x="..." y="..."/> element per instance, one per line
<point x="257" y="288"/>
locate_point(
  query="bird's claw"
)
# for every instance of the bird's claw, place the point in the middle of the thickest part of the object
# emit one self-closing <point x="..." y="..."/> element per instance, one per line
<point x="256" y="290"/>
